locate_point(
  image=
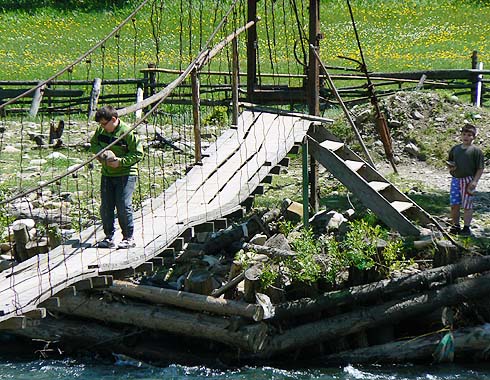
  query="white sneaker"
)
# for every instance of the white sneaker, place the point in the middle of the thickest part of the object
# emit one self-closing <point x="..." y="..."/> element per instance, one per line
<point x="106" y="243"/>
<point x="126" y="243"/>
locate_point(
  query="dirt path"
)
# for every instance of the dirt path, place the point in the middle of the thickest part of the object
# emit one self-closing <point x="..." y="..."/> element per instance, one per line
<point x="431" y="178"/>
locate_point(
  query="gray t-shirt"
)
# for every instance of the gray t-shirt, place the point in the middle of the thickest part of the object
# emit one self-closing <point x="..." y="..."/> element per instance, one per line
<point x="467" y="159"/>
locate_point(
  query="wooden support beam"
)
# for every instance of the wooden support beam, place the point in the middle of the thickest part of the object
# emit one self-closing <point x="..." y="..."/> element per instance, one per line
<point x="258" y="190"/>
<point x="267" y="179"/>
<point x="51" y="303"/>
<point x="250" y="338"/>
<point x="146" y="267"/>
<point x="38" y="313"/>
<point x="284" y="162"/>
<point x="204" y="227"/>
<point x="220" y="224"/>
<point x="275" y="170"/>
<point x="295" y="149"/>
<point x="69" y="290"/>
<point x="14" y="323"/>
<point x="188" y="300"/>
<point x="178" y="244"/>
<point x="168" y="252"/>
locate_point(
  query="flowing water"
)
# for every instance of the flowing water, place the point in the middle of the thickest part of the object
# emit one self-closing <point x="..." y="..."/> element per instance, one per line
<point x="121" y="370"/>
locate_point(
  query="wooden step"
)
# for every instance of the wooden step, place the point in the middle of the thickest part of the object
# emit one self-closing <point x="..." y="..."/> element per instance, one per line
<point x="401" y="206"/>
<point x="332" y="145"/>
<point x="354" y="165"/>
<point x="379" y="185"/>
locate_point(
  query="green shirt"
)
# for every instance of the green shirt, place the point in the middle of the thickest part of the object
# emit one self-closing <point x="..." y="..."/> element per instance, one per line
<point x="467" y="160"/>
<point x="129" y="150"/>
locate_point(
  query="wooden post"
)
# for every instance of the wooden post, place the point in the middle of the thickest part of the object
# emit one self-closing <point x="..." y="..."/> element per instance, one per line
<point x="94" y="97"/>
<point x="235" y="83"/>
<point x="474" y="65"/>
<point x="306" y="215"/>
<point x="313" y="92"/>
<point x="36" y="100"/>
<point x="251" y="50"/>
<point x="478" y="87"/>
<point x="197" y="115"/>
<point x="139" y="98"/>
<point x="152" y="83"/>
<point x="21" y="238"/>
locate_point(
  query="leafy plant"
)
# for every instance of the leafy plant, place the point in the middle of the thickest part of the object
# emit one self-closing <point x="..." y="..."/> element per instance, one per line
<point x="304" y="267"/>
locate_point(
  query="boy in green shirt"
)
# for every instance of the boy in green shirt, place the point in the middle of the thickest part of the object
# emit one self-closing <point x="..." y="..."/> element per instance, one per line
<point x="119" y="172"/>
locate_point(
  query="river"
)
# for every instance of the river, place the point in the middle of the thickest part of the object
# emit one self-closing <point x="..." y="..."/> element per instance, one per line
<point x="122" y="370"/>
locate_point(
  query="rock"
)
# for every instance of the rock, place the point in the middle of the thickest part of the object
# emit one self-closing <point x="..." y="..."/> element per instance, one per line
<point x="412" y="149"/>
<point x="258" y="239"/>
<point x="417" y="115"/>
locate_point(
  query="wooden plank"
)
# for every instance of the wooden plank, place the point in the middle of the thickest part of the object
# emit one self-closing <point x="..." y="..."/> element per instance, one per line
<point x="332" y="145"/>
<point x="260" y="140"/>
<point x="37" y="313"/>
<point x="354" y="165"/>
<point x="371" y="198"/>
<point x="401" y="206"/>
<point x="378" y="185"/>
<point x="14" y="323"/>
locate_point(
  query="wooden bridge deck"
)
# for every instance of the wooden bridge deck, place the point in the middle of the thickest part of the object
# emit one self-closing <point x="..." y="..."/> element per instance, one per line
<point x="231" y="170"/>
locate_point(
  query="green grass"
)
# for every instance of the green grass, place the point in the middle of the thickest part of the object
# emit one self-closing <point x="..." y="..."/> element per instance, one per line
<point x="395" y="36"/>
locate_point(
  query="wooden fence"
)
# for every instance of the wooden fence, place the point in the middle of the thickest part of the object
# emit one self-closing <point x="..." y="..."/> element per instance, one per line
<point x="83" y="96"/>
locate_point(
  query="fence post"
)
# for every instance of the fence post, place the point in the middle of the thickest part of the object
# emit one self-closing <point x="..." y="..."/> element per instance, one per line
<point x="196" y="102"/>
<point x="474" y="65"/>
<point x="94" y="97"/>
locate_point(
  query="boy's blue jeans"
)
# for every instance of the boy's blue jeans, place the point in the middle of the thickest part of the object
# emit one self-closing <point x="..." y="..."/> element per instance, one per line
<point x="117" y="193"/>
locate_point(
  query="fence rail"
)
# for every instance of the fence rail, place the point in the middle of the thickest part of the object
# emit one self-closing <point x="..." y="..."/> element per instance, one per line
<point x="62" y="96"/>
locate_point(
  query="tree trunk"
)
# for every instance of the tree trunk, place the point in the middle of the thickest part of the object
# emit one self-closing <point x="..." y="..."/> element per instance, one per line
<point x="383" y="289"/>
<point x="249" y="338"/>
<point x="364" y="318"/>
<point x="187" y="300"/>
<point x="471" y="339"/>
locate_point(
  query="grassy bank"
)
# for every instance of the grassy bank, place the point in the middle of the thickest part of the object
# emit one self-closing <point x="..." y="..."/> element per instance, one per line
<point x="395" y="35"/>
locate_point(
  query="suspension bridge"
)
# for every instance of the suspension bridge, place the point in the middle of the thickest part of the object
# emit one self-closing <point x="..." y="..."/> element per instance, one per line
<point x="234" y="161"/>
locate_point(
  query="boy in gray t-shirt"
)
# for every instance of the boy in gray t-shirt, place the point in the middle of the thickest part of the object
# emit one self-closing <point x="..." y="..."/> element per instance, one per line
<point x="466" y="164"/>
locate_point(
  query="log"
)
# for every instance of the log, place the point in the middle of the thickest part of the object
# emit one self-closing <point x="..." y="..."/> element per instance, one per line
<point x="229" y="285"/>
<point x="229" y="292"/>
<point x="383" y="289"/>
<point x="250" y="338"/>
<point x="94" y="97"/>
<point x="365" y="318"/>
<point x="21" y="238"/>
<point x="199" y="281"/>
<point x="251" y="283"/>
<point x="466" y="340"/>
<point x="37" y="247"/>
<point x="446" y="253"/>
<point x="73" y="336"/>
<point x="36" y="100"/>
<point x="227" y="237"/>
<point x="186" y="300"/>
<point x="269" y="251"/>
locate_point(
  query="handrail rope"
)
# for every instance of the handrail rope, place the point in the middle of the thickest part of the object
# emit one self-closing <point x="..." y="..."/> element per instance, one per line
<point x="205" y="53"/>
<point x="79" y="59"/>
<point x="301" y="33"/>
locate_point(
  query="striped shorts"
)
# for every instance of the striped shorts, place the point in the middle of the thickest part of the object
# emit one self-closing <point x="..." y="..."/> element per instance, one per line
<point x="458" y="194"/>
